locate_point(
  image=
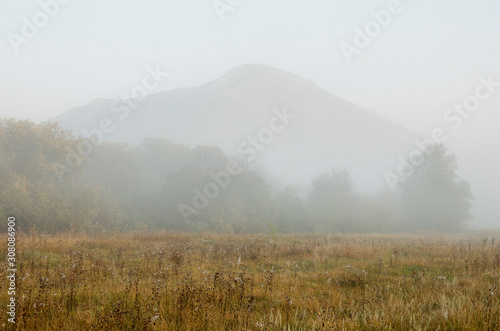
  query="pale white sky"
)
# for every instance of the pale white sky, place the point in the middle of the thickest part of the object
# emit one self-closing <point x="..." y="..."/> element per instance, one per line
<point x="424" y="61"/>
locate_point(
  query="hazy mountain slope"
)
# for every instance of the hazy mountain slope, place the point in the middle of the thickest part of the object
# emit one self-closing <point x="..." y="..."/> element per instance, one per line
<point x="327" y="131"/>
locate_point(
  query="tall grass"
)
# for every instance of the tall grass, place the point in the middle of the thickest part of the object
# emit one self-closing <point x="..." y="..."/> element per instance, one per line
<point x="169" y="281"/>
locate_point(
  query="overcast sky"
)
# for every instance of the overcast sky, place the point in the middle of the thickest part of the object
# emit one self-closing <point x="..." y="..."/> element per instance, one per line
<point x="426" y="59"/>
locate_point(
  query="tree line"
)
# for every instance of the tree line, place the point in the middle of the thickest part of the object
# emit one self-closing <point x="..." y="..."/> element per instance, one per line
<point x="120" y="187"/>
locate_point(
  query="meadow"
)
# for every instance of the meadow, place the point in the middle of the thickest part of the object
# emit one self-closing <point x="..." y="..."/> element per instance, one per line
<point x="177" y="281"/>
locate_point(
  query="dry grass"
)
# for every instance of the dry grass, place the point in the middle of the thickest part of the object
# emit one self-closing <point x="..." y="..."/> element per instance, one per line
<point x="170" y="281"/>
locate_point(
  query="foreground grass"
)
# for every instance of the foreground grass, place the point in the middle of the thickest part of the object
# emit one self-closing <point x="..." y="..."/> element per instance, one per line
<point x="167" y="281"/>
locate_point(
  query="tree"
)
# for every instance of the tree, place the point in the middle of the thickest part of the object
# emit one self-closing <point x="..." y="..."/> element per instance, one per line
<point x="434" y="197"/>
<point x="289" y="211"/>
<point x="31" y="191"/>
<point x="30" y="149"/>
<point x="333" y="202"/>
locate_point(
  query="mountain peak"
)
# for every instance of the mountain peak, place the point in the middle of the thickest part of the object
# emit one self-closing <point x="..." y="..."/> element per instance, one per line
<point x="262" y="79"/>
<point x="328" y="131"/>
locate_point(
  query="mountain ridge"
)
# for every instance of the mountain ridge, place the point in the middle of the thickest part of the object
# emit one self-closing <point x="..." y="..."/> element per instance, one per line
<point x="224" y="112"/>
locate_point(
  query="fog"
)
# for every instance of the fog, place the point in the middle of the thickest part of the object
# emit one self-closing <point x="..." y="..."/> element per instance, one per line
<point x="219" y="72"/>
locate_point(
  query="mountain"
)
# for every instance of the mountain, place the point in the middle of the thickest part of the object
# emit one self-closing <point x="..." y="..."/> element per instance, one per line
<point x="327" y="131"/>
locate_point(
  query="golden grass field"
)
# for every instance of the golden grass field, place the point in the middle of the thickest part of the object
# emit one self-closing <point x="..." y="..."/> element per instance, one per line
<point x="169" y="281"/>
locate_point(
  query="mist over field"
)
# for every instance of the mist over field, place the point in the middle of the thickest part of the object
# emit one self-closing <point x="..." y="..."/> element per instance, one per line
<point x="249" y="165"/>
<point x="366" y="88"/>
